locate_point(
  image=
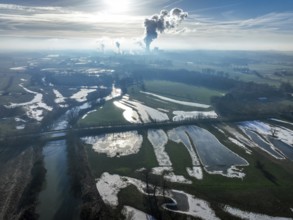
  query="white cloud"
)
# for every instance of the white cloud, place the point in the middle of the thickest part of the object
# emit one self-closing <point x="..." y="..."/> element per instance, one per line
<point x="40" y="24"/>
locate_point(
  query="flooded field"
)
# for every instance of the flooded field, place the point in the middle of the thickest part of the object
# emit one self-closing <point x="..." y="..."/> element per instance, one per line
<point x="215" y="157"/>
<point x="263" y="145"/>
<point x="118" y="144"/>
<point x="286" y="149"/>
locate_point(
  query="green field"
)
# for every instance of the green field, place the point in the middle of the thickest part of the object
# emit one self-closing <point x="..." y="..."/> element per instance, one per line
<point x="173" y="90"/>
<point x="106" y="114"/>
<point x="181" y="91"/>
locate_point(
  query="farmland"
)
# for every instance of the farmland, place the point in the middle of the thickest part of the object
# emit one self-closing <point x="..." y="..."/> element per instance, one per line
<point x="243" y="162"/>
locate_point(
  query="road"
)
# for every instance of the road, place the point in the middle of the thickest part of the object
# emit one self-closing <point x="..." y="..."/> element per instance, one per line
<point x="104" y="129"/>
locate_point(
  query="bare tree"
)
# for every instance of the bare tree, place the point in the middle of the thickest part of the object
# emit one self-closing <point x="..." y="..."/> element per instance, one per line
<point x="274" y="132"/>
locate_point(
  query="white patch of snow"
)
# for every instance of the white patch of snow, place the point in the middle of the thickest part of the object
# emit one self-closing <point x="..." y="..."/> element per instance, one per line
<point x="53" y="55"/>
<point x="278" y="120"/>
<point x="161" y="170"/>
<point x="192" y="104"/>
<point x="129" y="114"/>
<point x="59" y="98"/>
<point x="265" y="130"/>
<point x="238" y="143"/>
<point x="34" y="108"/>
<point x="44" y="106"/>
<point x="263" y="144"/>
<point x="38" y="98"/>
<point x="241" y="138"/>
<point x="116" y="144"/>
<point x="81" y="96"/>
<point x="84" y="106"/>
<point x="19" y="120"/>
<point x="182" y="115"/>
<point x="169" y="175"/>
<point x="232" y="172"/>
<point x="34" y="113"/>
<point x="147" y="113"/>
<point x="233" y="140"/>
<point x="219" y="129"/>
<point x="250" y="215"/>
<point x="159" y="139"/>
<point x="178" y="135"/>
<point x="163" y="110"/>
<point x="20" y="127"/>
<point x="125" y="97"/>
<point x="83" y="117"/>
<point x="116" y="92"/>
<point x="140" y="169"/>
<point x="197" y="208"/>
<point x="109" y="187"/>
<point x="285" y="135"/>
<point x="195" y="172"/>
<point x="20" y="68"/>
<point x="135" y="214"/>
<point x="96" y="71"/>
<point x="258" y="126"/>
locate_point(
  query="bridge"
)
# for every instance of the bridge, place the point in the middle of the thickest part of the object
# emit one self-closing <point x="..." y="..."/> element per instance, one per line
<point x="111" y="128"/>
<point x="114" y="128"/>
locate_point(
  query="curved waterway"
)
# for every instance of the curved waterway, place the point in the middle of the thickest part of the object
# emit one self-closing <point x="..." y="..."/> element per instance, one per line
<point x="56" y="200"/>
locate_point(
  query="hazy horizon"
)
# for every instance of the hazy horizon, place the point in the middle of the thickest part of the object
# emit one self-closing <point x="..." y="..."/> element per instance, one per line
<point x="210" y="25"/>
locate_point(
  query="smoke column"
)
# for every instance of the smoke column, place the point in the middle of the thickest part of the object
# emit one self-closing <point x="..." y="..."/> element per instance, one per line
<point x="102" y="46"/>
<point x="161" y="22"/>
<point x="118" y="46"/>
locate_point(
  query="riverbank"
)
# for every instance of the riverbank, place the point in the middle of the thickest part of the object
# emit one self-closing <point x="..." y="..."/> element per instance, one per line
<point x="21" y="177"/>
<point x="83" y="184"/>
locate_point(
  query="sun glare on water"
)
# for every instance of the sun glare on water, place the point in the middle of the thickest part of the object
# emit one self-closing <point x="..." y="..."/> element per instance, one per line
<point x="117" y="6"/>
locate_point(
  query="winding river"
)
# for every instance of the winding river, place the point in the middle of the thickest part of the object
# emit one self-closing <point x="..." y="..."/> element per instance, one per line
<point x="56" y="200"/>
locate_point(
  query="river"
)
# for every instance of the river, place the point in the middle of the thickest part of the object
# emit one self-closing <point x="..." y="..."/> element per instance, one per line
<point x="56" y="200"/>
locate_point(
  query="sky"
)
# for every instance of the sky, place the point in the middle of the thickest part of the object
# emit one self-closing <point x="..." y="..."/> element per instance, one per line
<point x="88" y="24"/>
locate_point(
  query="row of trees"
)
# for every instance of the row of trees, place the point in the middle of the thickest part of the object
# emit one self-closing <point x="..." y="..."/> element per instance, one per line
<point x="257" y="100"/>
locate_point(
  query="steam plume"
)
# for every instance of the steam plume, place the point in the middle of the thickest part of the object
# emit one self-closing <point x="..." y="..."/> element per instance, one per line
<point x="162" y="22"/>
<point x="102" y="47"/>
<point x="118" y="46"/>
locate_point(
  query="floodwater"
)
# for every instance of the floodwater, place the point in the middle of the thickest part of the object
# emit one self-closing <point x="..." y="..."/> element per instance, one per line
<point x="263" y="145"/>
<point x="56" y="201"/>
<point x="213" y="155"/>
<point x="286" y="149"/>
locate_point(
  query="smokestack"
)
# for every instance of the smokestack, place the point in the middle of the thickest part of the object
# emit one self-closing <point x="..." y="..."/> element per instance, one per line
<point x="157" y="24"/>
<point x="102" y="46"/>
<point x="118" y="46"/>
